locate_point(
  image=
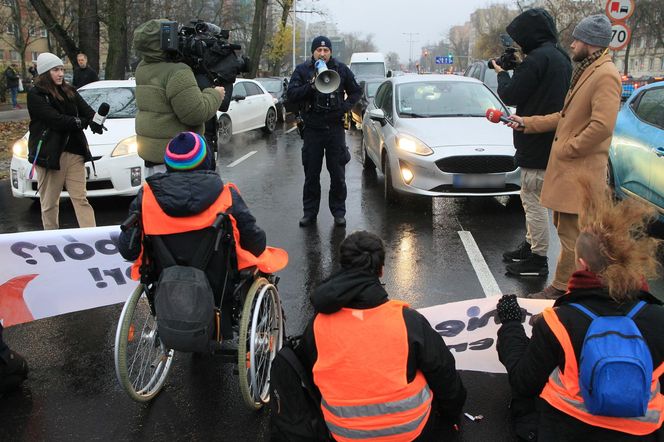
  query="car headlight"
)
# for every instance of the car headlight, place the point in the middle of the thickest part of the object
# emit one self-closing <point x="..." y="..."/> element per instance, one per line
<point x="412" y="145"/>
<point x="128" y="146"/>
<point x="20" y="148"/>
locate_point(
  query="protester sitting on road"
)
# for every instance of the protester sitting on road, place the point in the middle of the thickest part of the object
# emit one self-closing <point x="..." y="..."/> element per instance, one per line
<point x="562" y="362"/>
<point x="383" y="372"/>
<point x="13" y="368"/>
<point x="178" y="205"/>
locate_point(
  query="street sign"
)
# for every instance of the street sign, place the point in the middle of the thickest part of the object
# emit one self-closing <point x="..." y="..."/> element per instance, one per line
<point x="448" y="59"/>
<point x="620" y="35"/>
<point x="619" y="10"/>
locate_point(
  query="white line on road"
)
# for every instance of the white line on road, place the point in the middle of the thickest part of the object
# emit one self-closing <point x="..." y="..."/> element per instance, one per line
<point x="241" y="159"/>
<point x="291" y="130"/>
<point x="488" y="282"/>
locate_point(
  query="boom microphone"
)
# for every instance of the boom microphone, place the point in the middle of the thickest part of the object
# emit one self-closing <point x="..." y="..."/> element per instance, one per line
<point x="97" y="123"/>
<point x="496" y="116"/>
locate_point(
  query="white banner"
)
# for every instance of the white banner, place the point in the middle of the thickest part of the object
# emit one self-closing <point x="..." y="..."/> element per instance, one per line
<point x="48" y="273"/>
<point x="470" y="329"/>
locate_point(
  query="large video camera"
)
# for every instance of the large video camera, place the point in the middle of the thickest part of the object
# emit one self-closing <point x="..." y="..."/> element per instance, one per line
<point x="508" y="59"/>
<point x="205" y="48"/>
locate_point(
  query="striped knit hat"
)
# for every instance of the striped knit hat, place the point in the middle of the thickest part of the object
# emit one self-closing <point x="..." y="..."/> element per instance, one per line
<point x="187" y="151"/>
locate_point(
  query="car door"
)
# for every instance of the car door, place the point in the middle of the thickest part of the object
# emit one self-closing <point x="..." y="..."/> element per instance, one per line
<point x="258" y="101"/>
<point x="371" y="128"/>
<point x="650" y="112"/>
<point x="239" y="109"/>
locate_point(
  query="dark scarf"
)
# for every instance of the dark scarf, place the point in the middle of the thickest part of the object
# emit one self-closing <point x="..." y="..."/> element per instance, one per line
<point x="585" y="279"/>
<point x="583" y="65"/>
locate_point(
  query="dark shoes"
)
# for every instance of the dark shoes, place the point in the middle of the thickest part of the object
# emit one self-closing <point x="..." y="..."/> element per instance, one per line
<point x="306" y="221"/>
<point x="522" y="252"/>
<point x="339" y="221"/>
<point x="534" y="265"/>
<point x="548" y="293"/>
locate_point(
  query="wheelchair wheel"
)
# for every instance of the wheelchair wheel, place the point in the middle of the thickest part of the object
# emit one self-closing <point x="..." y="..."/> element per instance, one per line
<point x="261" y="337"/>
<point x="141" y="360"/>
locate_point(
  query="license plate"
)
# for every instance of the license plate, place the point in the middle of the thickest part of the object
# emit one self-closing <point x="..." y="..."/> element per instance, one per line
<point x="476" y="181"/>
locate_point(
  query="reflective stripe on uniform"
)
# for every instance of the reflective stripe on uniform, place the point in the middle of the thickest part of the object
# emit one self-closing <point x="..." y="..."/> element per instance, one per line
<point x="388" y="431"/>
<point x="409" y="403"/>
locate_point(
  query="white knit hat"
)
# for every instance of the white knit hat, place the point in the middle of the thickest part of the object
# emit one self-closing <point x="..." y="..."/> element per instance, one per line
<point x="47" y="61"/>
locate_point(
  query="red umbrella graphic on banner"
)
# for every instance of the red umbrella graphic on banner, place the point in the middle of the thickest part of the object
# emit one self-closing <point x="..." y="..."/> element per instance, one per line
<point x="13" y="309"/>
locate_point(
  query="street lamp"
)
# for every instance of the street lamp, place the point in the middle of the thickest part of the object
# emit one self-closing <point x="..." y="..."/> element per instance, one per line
<point x="410" y="39"/>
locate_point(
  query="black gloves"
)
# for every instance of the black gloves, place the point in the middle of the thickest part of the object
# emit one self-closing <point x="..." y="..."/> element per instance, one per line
<point x="509" y="309"/>
<point x="97" y="128"/>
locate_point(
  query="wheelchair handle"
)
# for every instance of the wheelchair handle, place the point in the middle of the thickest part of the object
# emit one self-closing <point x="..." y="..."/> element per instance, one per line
<point x="130" y="221"/>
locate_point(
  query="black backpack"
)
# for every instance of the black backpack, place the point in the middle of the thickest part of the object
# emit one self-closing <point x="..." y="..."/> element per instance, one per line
<point x="294" y="401"/>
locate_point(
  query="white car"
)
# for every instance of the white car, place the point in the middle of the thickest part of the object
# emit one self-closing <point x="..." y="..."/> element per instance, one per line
<point x="120" y="171"/>
<point x="252" y="107"/>
<point x="430" y="137"/>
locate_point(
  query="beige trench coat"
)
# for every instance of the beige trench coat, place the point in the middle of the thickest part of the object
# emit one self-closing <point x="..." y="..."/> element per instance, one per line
<point x="583" y="128"/>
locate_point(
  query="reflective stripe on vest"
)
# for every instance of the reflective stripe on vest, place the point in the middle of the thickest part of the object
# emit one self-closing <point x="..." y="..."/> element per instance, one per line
<point x="361" y="373"/>
<point x="562" y="391"/>
<point x="157" y="222"/>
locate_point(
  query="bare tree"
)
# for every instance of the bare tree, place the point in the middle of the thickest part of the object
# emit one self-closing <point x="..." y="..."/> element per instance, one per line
<point x="24" y="24"/>
<point x="55" y="28"/>
<point x="117" y="59"/>
<point x="488" y="24"/>
<point x="258" y="31"/>
<point x="88" y="32"/>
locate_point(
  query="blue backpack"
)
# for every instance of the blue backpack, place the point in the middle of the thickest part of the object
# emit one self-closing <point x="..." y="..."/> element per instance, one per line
<point x="615" y="370"/>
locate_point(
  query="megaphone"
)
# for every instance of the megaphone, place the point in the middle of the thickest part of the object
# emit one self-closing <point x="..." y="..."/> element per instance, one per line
<point x="327" y="81"/>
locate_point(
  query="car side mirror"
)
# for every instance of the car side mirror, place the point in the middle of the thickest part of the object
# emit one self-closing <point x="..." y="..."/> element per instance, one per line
<point x="238" y="98"/>
<point x="378" y="115"/>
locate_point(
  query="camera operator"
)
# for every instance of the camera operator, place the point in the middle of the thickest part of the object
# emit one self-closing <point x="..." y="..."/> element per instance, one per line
<point x="324" y="135"/>
<point x="168" y="98"/>
<point x="537" y="87"/>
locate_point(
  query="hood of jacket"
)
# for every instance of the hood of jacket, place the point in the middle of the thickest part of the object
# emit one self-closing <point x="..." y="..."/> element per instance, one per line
<point x="147" y="41"/>
<point x="182" y="194"/>
<point x="348" y="288"/>
<point x="532" y="28"/>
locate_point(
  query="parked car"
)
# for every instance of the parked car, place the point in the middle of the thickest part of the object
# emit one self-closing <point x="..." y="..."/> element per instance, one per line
<point x="369" y="88"/>
<point x="276" y="86"/>
<point x="481" y="71"/>
<point x="252" y="107"/>
<point x="636" y="156"/>
<point x="430" y="137"/>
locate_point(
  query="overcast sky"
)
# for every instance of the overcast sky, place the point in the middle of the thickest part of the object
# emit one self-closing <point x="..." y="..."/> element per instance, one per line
<point x="387" y="20"/>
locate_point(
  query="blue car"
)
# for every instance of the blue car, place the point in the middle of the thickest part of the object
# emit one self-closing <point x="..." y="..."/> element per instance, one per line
<point x="636" y="157"/>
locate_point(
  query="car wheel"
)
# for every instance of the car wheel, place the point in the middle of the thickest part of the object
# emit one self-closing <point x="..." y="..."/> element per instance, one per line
<point x="391" y="195"/>
<point x="281" y="114"/>
<point x="225" y="131"/>
<point x="367" y="162"/>
<point x="270" y="121"/>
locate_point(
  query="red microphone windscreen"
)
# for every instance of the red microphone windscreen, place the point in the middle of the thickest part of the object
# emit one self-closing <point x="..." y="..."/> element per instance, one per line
<point x="493" y="115"/>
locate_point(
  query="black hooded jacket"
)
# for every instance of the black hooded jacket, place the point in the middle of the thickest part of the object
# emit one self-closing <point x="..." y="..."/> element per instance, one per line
<point x="538" y="85"/>
<point x="181" y="194"/>
<point x="427" y="351"/>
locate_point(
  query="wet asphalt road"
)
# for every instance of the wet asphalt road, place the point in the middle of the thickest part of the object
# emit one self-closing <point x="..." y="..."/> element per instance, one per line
<point x="72" y="392"/>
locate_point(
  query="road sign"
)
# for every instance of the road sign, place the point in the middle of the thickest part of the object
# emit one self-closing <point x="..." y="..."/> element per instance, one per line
<point x="444" y="59"/>
<point x="619" y="10"/>
<point x="620" y="35"/>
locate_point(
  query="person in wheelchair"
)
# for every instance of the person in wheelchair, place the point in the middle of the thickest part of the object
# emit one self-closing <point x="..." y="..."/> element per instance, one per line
<point x="180" y="206"/>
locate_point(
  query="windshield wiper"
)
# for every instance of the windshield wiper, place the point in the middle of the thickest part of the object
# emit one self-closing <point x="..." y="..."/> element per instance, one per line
<point x="414" y="115"/>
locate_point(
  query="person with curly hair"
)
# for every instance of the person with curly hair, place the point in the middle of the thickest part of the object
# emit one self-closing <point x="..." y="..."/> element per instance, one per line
<point x="614" y="256"/>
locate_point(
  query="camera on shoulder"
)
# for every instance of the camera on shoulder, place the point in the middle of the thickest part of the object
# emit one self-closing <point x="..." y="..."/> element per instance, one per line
<point x="205" y="48"/>
<point x="508" y="60"/>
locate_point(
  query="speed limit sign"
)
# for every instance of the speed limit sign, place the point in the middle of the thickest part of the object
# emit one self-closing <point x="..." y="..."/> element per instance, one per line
<point x="620" y="35"/>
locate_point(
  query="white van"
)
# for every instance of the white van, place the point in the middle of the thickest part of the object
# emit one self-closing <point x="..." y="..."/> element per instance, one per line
<point x="368" y="64"/>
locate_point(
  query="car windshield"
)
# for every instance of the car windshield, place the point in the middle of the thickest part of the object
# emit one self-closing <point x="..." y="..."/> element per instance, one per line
<point x="372" y="88"/>
<point x="426" y="99"/>
<point x="272" y="85"/>
<point x="122" y="100"/>
<point x="368" y="69"/>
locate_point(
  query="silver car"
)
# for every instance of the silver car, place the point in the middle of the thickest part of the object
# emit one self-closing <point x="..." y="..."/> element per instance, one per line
<point x="429" y="136"/>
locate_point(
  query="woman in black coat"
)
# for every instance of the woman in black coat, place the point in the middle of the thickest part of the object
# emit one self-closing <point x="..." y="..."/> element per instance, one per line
<point x="57" y="147"/>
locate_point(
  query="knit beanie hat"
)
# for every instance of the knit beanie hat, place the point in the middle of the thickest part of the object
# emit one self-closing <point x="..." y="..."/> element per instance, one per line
<point x="594" y="30"/>
<point x="47" y="61"/>
<point x="320" y="41"/>
<point x="187" y="151"/>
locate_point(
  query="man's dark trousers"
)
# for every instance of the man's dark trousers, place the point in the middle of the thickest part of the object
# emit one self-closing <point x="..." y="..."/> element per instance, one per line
<point x="331" y="143"/>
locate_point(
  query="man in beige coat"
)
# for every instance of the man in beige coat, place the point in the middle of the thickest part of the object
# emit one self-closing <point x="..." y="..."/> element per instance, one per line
<point x="580" y="147"/>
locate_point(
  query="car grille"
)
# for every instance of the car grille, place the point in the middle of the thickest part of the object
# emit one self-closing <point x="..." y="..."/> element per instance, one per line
<point x="448" y="188"/>
<point x="477" y="164"/>
<point x="90" y="185"/>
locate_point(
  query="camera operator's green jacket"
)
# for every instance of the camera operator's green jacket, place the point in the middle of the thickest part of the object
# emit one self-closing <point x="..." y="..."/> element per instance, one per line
<point x="167" y="96"/>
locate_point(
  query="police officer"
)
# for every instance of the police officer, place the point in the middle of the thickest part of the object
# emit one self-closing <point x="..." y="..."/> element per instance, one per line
<point x="323" y="130"/>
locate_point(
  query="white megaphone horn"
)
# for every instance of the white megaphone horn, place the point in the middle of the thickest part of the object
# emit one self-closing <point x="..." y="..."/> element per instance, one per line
<point x="327" y="81"/>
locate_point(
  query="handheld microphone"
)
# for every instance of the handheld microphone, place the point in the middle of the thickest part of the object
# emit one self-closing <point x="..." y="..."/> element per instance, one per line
<point x="97" y="123"/>
<point x="496" y="116"/>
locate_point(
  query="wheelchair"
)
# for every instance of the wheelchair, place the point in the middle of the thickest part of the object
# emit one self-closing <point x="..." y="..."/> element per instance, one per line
<point x="142" y="361"/>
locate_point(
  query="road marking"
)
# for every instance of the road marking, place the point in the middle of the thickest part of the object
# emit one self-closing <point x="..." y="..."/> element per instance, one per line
<point x="291" y="130"/>
<point x="241" y="159"/>
<point x="487" y="281"/>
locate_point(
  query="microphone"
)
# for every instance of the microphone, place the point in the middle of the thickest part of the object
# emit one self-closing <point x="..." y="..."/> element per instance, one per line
<point x="97" y="123"/>
<point x="496" y="116"/>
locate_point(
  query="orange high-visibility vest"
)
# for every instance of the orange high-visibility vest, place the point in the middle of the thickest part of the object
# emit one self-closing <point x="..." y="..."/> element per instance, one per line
<point x="361" y="374"/>
<point x="157" y="222"/>
<point x="562" y="391"/>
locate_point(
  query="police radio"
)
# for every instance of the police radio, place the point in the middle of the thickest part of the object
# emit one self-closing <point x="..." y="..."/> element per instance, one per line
<point x="327" y="81"/>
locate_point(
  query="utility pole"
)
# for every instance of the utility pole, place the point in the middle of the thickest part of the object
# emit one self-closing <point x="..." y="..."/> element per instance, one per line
<point x="295" y="12"/>
<point x="410" y="43"/>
